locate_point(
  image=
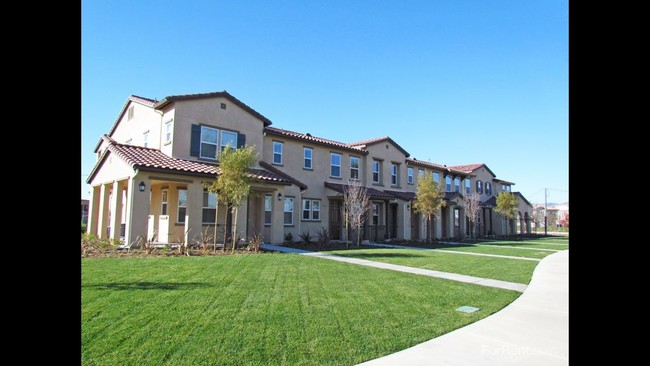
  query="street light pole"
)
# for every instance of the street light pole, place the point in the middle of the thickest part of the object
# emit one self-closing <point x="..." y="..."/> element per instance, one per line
<point x="545" y="213"/>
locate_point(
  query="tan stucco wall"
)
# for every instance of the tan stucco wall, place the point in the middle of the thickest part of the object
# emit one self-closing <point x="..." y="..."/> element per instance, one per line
<point x="144" y="119"/>
<point x="209" y="112"/>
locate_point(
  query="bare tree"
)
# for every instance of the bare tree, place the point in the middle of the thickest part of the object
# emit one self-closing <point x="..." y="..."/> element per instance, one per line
<point x="472" y="209"/>
<point x="356" y="203"/>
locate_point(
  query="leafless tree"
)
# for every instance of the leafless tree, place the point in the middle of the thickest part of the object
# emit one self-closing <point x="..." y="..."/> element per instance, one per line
<point x="356" y="203"/>
<point x="472" y="202"/>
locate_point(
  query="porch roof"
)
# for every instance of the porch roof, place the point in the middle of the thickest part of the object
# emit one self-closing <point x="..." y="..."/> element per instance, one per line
<point x="404" y="196"/>
<point x="372" y="193"/>
<point x="148" y="159"/>
<point x="490" y="202"/>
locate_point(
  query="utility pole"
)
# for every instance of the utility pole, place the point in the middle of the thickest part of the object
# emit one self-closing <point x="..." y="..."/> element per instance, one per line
<point x="545" y="212"/>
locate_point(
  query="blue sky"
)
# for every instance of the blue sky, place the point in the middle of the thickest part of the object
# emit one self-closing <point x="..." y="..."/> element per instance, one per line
<point x="453" y="82"/>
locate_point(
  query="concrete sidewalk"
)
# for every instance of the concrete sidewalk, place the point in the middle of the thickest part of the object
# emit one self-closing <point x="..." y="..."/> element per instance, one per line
<point x="454" y="252"/>
<point x="532" y="330"/>
<point x="396" y="267"/>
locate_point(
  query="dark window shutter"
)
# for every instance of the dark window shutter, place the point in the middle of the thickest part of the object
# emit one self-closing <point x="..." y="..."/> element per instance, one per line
<point x="241" y="140"/>
<point x="195" y="143"/>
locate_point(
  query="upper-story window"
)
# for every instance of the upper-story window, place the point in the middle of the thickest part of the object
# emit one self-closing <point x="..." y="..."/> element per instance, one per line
<point x="354" y="167"/>
<point x="488" y="188"/>
<point x="209" y="137"/>
<point x="168" y="131"/>
<point x="130" y="113"/>
<point x="308" y="153"/>
<point x="456" y="184"/>
<point x="376" y="171"/>
<point x="393" y="174"/>
<point x="409" y="175"/>
<point x="145" y="139"/>
<point x="448" y="183"/>
<point x="277" y="152"/>
<point x="479" y="187"/>
<point x="421" y="172"/>
<point x="228" y="138"/>
<point x="468" y="186"/>
<point x="436" y="178"/>
<point x="505" y="188"/>
<point x="335" y="165"/>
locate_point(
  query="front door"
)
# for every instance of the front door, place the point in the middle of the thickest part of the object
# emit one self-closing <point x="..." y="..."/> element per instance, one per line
<point x="415" y="225"/>
<point x="335" y="219"/>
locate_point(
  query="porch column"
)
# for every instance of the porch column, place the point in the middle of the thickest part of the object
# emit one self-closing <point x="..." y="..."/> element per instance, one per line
<point x="116" y="211"/>
<point x="386" y="203"/>
<point x="194" y="212"/>
<point x="277" y="217"/>
<point x="450" y="222"/>
<point x="137" y="208"/>
<point x="406" y="222"/>
<point x="93" y="211"/>
<point x="103" y="211"/>
<point x="491" y="230"/>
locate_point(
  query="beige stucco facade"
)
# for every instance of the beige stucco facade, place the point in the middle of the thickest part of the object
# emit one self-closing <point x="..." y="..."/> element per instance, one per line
<point x="175" y="166"/>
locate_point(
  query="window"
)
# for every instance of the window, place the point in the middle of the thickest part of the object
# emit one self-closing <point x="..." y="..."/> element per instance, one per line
<point x="468" y="186"/>
<point x="288" y="210"/>
<point x="376" y="171"/>
<point x="479" y="187"/>
<point x="209" y="207"/>
<point x="448" y="183"/>
<point x="130" y="113"/>
<point x="335" y="165"/>
<point x="354" y="167"/>
<point x="409" y="173"/>
<point x="128" y="142"/>
<point x="228" y="138"/>
<point x="488" y="188"/>
<point x="163" y="207"/>
<point x="456" y="184"/>
<point x="375" y="214"/>
<point x="277" y="152"/>
<point x="308" y="153"/>
<point x="209" y="142"/>
<point x="168" y="131"/>
<point x="145" y="139"/>
<point x="182" y="206"/>
<point x="505" y="188"/>
<point x="311" y="210"/>
<point x="393" y="174"/>
<point x="436" y="178"/>
<point x="268" y="208"/>
<point x="456" y="217"/>
<point x="421" y="172"/>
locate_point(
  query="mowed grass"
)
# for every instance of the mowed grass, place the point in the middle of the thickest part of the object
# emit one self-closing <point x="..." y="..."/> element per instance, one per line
<point x="556" y="243"/>
<point x="505" y="269"/>
<point x="269" y="309"/>
<point x="514" y="252"/>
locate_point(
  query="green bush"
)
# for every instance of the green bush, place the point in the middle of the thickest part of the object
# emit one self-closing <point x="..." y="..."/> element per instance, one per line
<point x="83" y="228"/>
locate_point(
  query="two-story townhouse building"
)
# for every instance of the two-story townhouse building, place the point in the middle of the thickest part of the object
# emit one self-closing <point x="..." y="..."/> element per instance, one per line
<point x="155" y="161"/>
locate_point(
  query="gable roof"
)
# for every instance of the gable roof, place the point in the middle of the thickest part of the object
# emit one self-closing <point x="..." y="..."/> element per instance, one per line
<point x="468" y="168"/>
<point x="430" y="165"/>
<point x="372" y="193"/>
<point x="522" y="197"/>
<point x="365" y="143"/>
<point x="312" y="139"/>
<point x="132" y="98"/>
<point x="221" y="94"/>
<point x="149" y="159"/>
<point x="282" y="174"/>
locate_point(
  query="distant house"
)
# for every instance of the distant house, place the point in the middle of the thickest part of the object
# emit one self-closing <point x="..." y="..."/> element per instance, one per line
<point x="154" y="163"/>
<point x="558" y="215"/>
<point x="84" y="211"/>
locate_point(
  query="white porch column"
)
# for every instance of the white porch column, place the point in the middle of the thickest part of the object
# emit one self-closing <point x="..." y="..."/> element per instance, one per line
<point x="93" y="211"/>
<point x="194" y="212"/>
<point x="103" y="211"/>
<point x="277" y="218"/>
<point x="116" y="211"/>
<point x="450" y="221"/>
<point x="406" y="222"/>
<point x="137" y="208"/>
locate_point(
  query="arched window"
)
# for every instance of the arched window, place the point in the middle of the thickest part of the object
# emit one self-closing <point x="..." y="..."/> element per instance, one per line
<point x="448" y="183"/>
<point x="456" y="184"/>
<point x="479" y="187"/>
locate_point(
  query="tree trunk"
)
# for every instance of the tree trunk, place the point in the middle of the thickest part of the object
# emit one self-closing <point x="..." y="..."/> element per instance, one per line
<point x="234" y="228"/>
<point x="216" y="227"/>
<point x="225" y="228"/>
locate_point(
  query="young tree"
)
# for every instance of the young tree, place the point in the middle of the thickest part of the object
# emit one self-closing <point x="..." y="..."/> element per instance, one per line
<point x="429" y="198"/>
<point x="356" y="203"/>
<point x="507" y="206"/>
<point x="233" y="183"/>
<point x="472" y="209"/>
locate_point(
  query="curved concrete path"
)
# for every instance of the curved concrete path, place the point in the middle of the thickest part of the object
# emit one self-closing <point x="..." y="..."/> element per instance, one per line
<point x="532" y="330"/>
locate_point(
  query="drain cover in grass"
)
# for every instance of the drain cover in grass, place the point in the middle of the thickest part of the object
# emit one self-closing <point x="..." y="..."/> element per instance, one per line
<point x="467" y="309"/>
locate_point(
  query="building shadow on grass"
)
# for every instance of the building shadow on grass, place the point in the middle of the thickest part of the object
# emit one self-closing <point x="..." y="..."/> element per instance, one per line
<point x="383" y="255"/>
<point x="147" y="285"/>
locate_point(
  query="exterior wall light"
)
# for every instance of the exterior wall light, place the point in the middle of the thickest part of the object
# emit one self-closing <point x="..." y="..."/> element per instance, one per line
<point x="141" y="187"/>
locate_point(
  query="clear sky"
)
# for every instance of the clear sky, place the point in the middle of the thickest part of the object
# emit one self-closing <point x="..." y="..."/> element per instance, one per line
<point x="452" y="81"/>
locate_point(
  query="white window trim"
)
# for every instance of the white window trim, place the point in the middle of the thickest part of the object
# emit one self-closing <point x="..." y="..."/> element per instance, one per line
<point x="270" y="198"/>
<point x="285" y="210"/>
<point x="378" y="163"/>
<point x="201" y="142"/>
<point x="164" y="198"/>
<point x="310" y="158"/>
<point x="221" y="144"/>
<point x="210" y="208"/>
<point x="333" y="165"/>
<point x="409" y="175"/>
<point x="281" y="153"/>
<point x="310" y="209"/>
<point x="168" y="131"/>
<point x="357" y="169"/>
<point x="178" y="209"/>
<point x="393" y="174"/>
<point x="436" y="178"/>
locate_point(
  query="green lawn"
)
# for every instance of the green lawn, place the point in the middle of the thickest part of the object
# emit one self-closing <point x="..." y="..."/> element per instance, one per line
<point x="544" y="243"/>
<point x="512" y="270"/>
<point x="267" y="309"/>
<point x="514" y="252"/>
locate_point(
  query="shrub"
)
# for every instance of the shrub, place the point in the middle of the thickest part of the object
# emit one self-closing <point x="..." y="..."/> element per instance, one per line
<point x="83" y="227"/>
<point x="324" y="237"/>
<point x="306" y="237"/>
<point x="288" y="238"/>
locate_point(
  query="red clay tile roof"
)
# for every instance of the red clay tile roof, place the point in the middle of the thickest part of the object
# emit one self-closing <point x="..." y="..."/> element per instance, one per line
<point x="363" y="144"/>
<point x="284" y="175"/>
<point x="372" y="193"/>
<point x="430" y="165"/>
<point x="148" y="159"/>
<point x="132" y="98"/>
<point x="468" y="168"/>
<point x="221" y="94"/>
<point x="309" y="138"/>
<point x="404" y="196"/>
